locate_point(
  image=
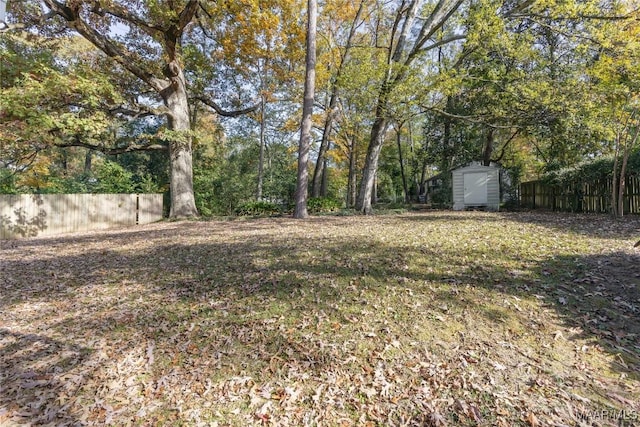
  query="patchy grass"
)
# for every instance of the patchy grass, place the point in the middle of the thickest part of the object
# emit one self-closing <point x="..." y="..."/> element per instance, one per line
<point x="434" y="318"/>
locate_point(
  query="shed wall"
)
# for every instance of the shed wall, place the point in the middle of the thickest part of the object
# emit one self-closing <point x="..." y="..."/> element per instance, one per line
<point x="493" y="187"/>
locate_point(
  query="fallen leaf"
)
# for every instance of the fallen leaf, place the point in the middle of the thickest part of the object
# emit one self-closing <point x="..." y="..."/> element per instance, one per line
<point x="532" y="420"/>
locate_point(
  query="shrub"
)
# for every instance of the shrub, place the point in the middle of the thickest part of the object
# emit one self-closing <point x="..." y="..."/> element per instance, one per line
<point x="8" y="182"/>
<point x="113" y="178"/>
<point x="323" y="205"/>
<point x="442" y="198"/>
<point x="257" y="209"/>
<point x="591" y="170"/>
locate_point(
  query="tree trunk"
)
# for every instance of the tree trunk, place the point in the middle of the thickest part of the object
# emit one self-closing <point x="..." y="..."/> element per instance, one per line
<point x="307" y="110"/>
<point x="319" y="184"/>
<point x="172" y="89"/>
<point x="488" y="148"/>
<point x="352" y="180"/>
<point x="629" y="143"/>
<point x="363" y="203"/>
<point x="261" y="156"/>
<point x="87" y="161"/>
<point x="324" y="187"/>
<point x="614" y="177"/>
<point x="623" y="172"/>
<point x="318" y="171"/>
<point x="65" y="161"/>
<point x="423" y="179"/>
<point x="374" y="193"/>
<point x="405" y="187"/>
<point x="183" y="203"/>
<point x="406" y="44"/>
<point x="448" y="155"/>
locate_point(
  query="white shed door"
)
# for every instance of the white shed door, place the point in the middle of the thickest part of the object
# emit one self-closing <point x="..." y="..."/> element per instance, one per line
<point x="475" y="188"/>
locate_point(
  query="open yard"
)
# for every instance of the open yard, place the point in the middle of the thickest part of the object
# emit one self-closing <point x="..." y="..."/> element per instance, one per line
<point x="436" y="318"/>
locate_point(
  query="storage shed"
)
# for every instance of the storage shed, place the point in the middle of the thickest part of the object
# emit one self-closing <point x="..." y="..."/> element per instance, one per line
<point x="476" y="186"/>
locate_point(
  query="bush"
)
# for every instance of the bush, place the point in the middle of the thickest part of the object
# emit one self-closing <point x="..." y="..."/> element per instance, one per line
<point x="442" y="198"/>
<point x="323" y="205"/>
<point x="600" y="168"/>
<point x="258" y="209"/>
<point x="7" y="182"/>
<point x="113" y="178"/>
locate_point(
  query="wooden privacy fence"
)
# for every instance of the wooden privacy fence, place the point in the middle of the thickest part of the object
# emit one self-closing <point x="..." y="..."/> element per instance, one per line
<point x="592" y="197"/>
<point x="30" y="215"/>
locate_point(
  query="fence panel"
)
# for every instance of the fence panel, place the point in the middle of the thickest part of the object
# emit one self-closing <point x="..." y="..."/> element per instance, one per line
<point x="592" y="197"/>
<point x="149" y="208"/>
<point x="30" y="215"/>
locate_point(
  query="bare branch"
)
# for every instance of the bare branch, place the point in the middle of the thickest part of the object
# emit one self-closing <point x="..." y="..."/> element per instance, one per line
<point x="133" y="114"/>
<point x="578" y="18"/>
<point x="470" y="119"/>
<point x="102" y="42"/>
<point x="444" y="42"/>
<point x="210" y="103"/>
<point x="112" y="151"/>
<point x="399" y="48"/>
<point x="519" y="8"/>
<point x="187" y="14"/>
<point x="5" y="28"/>
<point x="503" y="150"/>
<point x="126" y="15"/>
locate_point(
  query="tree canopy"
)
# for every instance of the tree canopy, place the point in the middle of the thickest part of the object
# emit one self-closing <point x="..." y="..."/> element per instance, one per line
<point x="404" y="90"/>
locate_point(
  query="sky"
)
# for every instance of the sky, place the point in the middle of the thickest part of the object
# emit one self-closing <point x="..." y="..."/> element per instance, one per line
<point x="3" y="8"/>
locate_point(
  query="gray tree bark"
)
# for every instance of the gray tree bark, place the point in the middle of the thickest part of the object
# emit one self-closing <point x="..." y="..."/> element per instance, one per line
<point x="319" y="184"/>
<point x="402" y="51"/>
<point x="300" y="210"/>
<point x="171" y="87"/>
<point x="262" y="147"/>
<point x="183" y="203"/>
<point x="405" y="186"/>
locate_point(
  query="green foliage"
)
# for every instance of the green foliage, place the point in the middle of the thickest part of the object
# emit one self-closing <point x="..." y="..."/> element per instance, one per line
<point x="442" y="197"/>
<point x="113" y="178"/>
<point x="146" y="184"/>
<point x="225" y="176"/>
<point x="590" y="171"/>
<point x="259" y="208"/>
<point x="7" y="182"/>
<point x="533" y="78"/>
<point x="323" y="205"/>
<point x="83" y="183"/>
<point x="222" y="184"/>
<point x="149" y="169"/>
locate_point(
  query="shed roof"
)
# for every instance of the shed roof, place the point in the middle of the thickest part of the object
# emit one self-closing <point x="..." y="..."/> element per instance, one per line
<point x="476" y="167"/>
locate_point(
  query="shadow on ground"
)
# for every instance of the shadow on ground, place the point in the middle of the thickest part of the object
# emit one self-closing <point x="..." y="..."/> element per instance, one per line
<point x="236" y="291"/>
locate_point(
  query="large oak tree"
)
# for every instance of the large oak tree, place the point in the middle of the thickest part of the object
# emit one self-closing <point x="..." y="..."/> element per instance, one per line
<point x="150" y="50"/>
<point x="144" y="38"/>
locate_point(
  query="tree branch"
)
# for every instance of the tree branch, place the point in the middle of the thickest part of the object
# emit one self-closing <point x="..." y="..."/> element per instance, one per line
<point x="112" y="151"/>
<point x="440" y="15"/>
<point x="578" y="18"/>
<point x="120" y="12"/>
<point x="132" y="114"/>
<point x="503" y="150"/>
<point x="5" y="27"/>
<point x="187" y="14"/>
<point x="442" y="42"/>
<point x="102" y="42"/>
<point x="470" y="119"/>
<point x="210" y="103"/>
<point x="519" y="8"/>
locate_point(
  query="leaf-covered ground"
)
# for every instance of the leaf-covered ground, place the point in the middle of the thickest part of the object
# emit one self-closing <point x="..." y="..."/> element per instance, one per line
<point x="436" y="318"/>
